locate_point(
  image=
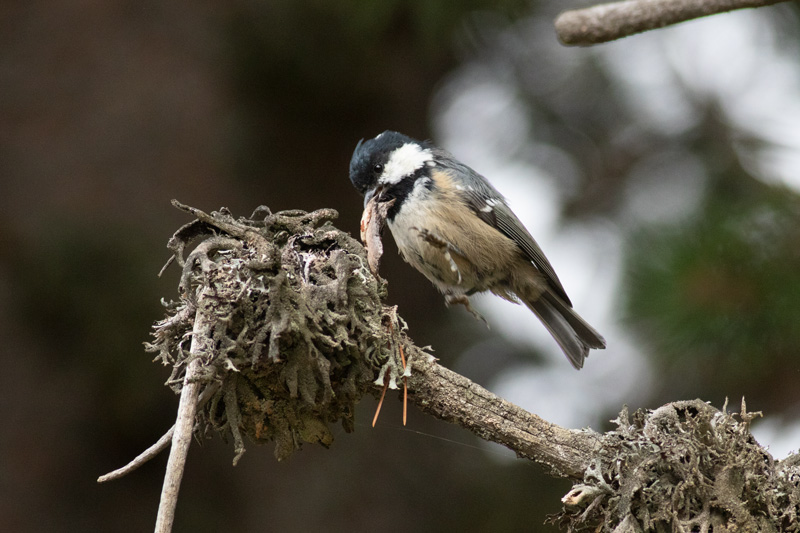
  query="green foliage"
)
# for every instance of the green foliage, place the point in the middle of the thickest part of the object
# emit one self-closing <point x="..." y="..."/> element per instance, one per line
<point x="717" y="295"/>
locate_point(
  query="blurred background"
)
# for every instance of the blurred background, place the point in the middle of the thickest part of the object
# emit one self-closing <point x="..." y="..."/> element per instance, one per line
<point x="660" y="174"/>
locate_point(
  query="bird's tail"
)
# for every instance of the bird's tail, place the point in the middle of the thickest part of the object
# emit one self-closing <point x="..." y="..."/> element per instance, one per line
<point x="570" y="331"/>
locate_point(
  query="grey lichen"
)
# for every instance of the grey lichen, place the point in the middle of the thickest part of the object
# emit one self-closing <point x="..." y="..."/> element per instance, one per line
<point x="300" y="332"/>
<point x="683" y="467"/>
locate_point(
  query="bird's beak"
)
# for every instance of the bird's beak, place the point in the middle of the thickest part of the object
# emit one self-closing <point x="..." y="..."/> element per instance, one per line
<point x="376" y="191"/>
<point x="368" y="196"/>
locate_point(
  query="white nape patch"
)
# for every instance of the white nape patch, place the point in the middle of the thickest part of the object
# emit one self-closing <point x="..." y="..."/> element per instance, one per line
<point x="487" y="208"/>
<point x="404" y="161"/>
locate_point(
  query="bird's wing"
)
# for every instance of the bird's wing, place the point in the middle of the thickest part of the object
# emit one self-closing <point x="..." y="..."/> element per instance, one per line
<point x="491" y="207"/>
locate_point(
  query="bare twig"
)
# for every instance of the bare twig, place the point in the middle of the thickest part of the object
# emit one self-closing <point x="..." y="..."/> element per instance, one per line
<point x="606" y="22"/>
<point x="140" y="459"/>
<point x="182" y="436"/>
<point x="160" y="445"/>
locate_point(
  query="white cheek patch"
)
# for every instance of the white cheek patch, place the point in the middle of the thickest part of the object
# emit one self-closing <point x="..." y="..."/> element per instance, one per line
<point x="404" y="161"/>
<point x="417" y="205"/>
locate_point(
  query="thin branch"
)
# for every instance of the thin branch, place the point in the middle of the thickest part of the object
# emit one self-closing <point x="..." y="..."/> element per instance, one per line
<point x="140" y="459"/>
<point x="182" y="436"/>
<point x="160" y="445"/>
<point x="607" y="22"/>
<point x="449" y="396"/>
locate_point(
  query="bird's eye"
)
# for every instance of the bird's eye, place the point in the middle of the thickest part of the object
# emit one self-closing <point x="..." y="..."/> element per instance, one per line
<point x="378" y="168"/>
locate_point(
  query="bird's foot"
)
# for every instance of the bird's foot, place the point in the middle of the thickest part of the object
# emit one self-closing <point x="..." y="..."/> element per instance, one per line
<point x="452" y="299"/>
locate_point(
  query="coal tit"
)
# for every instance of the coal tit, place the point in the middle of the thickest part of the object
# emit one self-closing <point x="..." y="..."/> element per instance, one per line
<point x="454" y="227"/>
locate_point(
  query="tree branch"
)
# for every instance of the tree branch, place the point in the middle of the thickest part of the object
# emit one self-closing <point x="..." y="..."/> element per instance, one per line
<point x="288" y="331"/>
<point x="160" y="445"/>
<point x="201" y="346"/>
<point x="449" y="396"/>
<point x="607" y="22"/>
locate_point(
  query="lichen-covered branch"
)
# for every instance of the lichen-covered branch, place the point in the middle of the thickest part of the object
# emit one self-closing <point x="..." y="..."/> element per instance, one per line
<point x="684" y="467"/>
<point x="607" y="22"/>
<point x="294" y="332"/>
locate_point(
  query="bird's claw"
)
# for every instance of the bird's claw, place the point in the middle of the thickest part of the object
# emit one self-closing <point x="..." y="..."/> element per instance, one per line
<point x="452" y="299"/>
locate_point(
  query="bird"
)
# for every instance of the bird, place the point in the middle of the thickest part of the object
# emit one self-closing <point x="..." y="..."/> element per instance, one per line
<point x="455" y="228"/>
